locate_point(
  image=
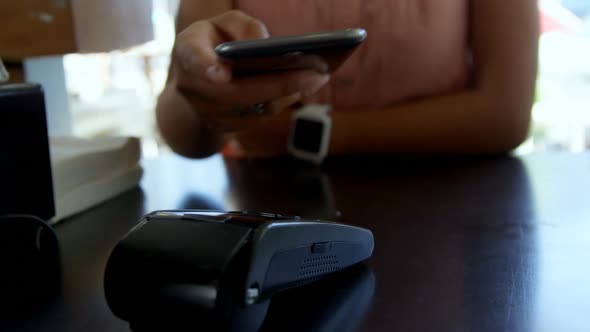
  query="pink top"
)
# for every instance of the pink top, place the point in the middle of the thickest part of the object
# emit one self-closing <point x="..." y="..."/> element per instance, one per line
<point x="414" y="48"/>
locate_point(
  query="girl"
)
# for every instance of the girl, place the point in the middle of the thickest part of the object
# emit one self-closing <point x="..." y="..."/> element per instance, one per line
<point x="443" y="77"/>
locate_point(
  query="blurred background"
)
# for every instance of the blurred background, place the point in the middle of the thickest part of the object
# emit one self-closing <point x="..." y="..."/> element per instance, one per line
<point x="114" y="93"/>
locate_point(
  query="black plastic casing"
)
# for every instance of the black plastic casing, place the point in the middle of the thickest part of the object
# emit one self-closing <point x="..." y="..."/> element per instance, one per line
<point x="209" y="261"/>
<point x="25" y="168"/>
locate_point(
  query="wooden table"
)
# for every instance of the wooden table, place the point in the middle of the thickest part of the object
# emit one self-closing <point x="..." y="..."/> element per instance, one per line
<point x="482" y="244"/>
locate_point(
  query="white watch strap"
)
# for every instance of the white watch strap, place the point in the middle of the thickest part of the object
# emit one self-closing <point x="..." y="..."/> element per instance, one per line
<point x="311" y="113"/>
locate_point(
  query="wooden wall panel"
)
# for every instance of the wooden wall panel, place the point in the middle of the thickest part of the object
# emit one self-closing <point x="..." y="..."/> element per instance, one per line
<point x="51" y="27"/>
<point x="111" y="24"/>
<point x="33" y="27"/>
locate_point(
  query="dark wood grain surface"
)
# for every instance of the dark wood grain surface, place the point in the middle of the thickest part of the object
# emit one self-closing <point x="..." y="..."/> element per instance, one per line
<point x="476" y="244"/>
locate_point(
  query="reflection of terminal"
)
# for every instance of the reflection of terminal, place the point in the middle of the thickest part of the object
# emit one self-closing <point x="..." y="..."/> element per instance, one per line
<point x="338" y="303"/>
<point x="292" y="188"/>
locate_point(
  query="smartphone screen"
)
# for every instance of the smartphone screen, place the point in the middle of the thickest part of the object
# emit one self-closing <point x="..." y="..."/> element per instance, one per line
<point x="307" y="51"/>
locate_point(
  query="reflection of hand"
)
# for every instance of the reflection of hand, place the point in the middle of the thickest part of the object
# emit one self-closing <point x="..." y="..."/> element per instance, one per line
<point x="223" y="100"/>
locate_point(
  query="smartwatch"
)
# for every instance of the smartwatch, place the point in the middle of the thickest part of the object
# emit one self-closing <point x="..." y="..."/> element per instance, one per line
<point x="309" y="136"/>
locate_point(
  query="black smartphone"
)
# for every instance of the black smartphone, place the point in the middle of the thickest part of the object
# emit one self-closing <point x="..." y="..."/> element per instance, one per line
<point x="324" y="51"/>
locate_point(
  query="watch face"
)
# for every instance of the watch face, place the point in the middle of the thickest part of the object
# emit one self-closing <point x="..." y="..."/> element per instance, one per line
<point x="308" y="135"/>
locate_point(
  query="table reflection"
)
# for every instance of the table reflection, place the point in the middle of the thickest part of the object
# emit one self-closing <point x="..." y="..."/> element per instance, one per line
<point x="455" y="239"/>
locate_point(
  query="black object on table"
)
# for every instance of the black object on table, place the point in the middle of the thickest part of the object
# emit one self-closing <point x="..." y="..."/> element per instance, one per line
<point x="25" y="169"/>
<point x="216" y="265"/>
<point x="476" y="244"/>
<point x="29" y="252"/>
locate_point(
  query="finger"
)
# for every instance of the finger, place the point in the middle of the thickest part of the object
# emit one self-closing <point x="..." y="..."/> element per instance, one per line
<point x="281" y="104"/>
<point x="236" y="25"/>
<point x="195" y="46"/>
<point x="307" y="61"/>
<point x="219" y="116"/>
<point x="226" y="119"/>
<point x="195" y="55"/>
<point x="249" y="90"/>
